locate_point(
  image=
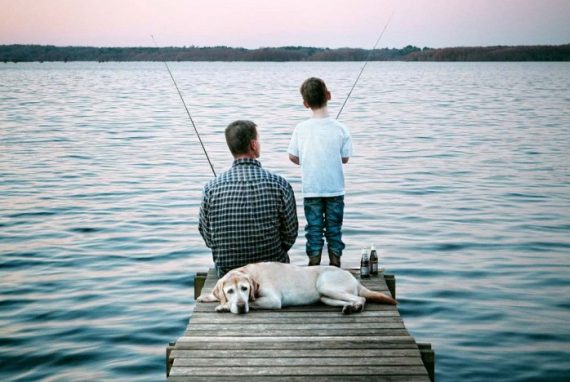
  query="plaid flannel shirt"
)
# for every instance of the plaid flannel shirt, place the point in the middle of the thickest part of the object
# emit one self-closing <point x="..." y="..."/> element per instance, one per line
<point x="248" y="215"/>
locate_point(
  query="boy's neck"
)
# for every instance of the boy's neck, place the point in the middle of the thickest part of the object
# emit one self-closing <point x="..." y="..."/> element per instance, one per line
<point x="320" y="112"/>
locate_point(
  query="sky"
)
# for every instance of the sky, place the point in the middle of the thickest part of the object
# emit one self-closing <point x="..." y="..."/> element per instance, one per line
<point x="262" y="23"/>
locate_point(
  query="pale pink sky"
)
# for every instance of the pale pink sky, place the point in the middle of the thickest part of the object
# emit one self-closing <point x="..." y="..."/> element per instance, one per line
<point x="256" y="23"/>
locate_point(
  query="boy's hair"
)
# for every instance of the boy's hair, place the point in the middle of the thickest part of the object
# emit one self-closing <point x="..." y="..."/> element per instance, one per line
<point x="314" y="92"/>
<point x="239" y="135"/>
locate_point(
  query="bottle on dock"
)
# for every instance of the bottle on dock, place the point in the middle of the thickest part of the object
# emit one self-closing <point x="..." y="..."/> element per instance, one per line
<point x="373" y="261"/>
<point x="364" y="265"/>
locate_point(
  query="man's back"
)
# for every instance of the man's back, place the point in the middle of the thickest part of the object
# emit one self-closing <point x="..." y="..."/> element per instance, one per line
<point x="248" y="215"/>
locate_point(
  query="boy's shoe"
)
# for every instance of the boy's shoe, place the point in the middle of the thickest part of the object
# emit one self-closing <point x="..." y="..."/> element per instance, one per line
<point x="334" y="259"/>
<point x="314" y="258"/>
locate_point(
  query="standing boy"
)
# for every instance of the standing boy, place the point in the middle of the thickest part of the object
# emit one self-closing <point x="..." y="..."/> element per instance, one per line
<point x="321" y="145"/>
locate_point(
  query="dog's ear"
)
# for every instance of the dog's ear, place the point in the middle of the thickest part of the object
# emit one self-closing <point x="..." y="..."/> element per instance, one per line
<point x="218" y="291"/>
<point x="253" y="289"/>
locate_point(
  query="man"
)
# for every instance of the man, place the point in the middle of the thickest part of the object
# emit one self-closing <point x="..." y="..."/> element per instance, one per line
<point x="248" y="214"/>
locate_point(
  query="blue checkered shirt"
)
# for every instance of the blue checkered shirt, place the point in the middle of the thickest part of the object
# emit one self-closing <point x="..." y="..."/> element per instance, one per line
<point x="248" y="215"/>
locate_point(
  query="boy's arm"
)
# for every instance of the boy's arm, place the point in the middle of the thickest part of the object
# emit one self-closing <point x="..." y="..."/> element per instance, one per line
<point x="293" y="148"/>
<point x="295" y="159"/>
<point x="346" y="150"/>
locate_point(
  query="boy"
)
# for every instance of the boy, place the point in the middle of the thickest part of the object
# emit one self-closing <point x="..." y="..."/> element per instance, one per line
<point x="321" y="145"/>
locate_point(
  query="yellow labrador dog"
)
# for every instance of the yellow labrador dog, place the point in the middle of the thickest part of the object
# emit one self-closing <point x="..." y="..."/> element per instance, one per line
<point x="275" y="285"/>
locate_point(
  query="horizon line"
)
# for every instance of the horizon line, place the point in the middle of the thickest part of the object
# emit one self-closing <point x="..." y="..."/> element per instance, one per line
<point x="276" y="47"/>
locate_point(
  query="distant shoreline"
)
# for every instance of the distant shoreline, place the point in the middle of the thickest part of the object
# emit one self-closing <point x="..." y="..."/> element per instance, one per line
<point x="50" y="53"/>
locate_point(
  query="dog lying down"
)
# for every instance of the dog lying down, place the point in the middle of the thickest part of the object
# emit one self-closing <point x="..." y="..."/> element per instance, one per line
<point x="276" y="285"/>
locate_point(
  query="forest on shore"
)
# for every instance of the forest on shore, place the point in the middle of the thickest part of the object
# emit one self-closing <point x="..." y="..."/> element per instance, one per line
<point x="47" y="53"/>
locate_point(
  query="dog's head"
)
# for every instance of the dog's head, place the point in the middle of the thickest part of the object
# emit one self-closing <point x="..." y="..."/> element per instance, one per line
<point x="236" y="289"/>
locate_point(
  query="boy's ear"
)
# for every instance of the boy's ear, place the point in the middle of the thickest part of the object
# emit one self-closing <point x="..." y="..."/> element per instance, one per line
<point x="306" y="104"/>
<point x="328" y="94"/>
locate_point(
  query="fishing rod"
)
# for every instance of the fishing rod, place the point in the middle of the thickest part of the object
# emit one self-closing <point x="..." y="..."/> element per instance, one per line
<point x="186" y="107"/>
<point x="364" y="66"/>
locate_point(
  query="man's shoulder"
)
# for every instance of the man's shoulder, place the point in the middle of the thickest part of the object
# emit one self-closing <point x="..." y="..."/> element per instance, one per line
<point x="219" y="180"/>
<point x="257" y="174"/>
<point x="276" y="178"/>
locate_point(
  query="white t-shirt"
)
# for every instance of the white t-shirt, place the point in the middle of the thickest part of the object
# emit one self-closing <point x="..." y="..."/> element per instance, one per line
<point x="320" y="144"/>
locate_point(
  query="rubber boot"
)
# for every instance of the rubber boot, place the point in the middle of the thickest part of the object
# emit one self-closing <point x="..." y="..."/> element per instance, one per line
<point x="334" y="259"/>
<point x="314" y="258"/>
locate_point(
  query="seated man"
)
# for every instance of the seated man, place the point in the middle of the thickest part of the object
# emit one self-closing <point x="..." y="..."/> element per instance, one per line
<point x="248" y="214"/>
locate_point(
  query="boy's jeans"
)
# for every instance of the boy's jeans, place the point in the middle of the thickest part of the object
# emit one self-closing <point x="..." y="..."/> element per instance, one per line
<point x="324" y="215"/>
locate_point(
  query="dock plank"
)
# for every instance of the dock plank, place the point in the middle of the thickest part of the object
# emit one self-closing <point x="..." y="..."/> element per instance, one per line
<point x="313" y="378"/>
<point x="338" y="325"/>
<point x="372" y="317"/>
<point x="296" y="371"/>
<point x="296" y="353"/>
<point x="306" y="345"/>
<point x="193" y="332"/>
<point x="295" y="361"/>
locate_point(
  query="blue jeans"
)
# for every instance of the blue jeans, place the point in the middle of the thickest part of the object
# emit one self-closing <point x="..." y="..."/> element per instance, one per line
<point x="324" y="217"/>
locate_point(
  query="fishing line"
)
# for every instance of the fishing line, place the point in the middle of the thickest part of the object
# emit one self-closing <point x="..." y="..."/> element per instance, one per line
<point x="365" y="63"/>
<point x="186" y="107"/>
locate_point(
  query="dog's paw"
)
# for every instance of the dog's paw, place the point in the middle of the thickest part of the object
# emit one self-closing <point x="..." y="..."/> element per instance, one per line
<point x="352" y="308"/>
<point x="347" y="309"/>
<point x="357" y="308"/>
<point x="222" y="308"/>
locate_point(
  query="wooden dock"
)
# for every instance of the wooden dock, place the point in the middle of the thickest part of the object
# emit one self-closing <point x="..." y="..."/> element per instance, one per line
<point x="315" y="343"/>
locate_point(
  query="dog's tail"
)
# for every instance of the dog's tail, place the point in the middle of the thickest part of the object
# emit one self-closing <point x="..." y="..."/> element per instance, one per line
<point x="374" y="296"/>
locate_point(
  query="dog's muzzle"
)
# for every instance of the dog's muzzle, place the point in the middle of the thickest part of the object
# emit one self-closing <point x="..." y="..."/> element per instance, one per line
<point x="241" y="308"/>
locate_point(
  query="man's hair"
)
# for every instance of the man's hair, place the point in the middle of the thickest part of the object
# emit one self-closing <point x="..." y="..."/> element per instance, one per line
<point x="314" y="92"/>
<point x="239" y="135"/>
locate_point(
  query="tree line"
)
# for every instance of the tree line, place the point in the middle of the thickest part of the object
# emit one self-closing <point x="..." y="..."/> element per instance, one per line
<point x="41" y="53"/>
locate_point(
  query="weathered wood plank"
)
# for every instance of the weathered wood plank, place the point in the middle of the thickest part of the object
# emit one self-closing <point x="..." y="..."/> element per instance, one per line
<point x="304" y="318"/>
<point x="278" y="333"/>
<point x="428" y="358"/>
<point x="199" y="281"/>
<point x="296" y="353"/>
<point x="322" y="339"/>
<point x="313" y="378"/>
<point x="347" y="345"/>
<point x="304" y="370"/>
<point x="338" y="325"/>
<point x="289" y="314"/>
<point x="295" y="362"/>
<point x="209" y="307"/>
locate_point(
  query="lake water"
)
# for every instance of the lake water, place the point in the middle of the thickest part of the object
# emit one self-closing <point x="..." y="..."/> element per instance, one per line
<point x="461" y="177"/>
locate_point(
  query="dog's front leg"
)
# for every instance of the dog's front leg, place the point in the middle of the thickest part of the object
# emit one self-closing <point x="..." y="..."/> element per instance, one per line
<point x="223" y="308"/>
<point x="207" y="298"/>
<point x="266" y="302"/>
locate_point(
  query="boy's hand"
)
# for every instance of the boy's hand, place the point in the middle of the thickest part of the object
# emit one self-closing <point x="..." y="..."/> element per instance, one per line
<point x="294" y="159"/>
